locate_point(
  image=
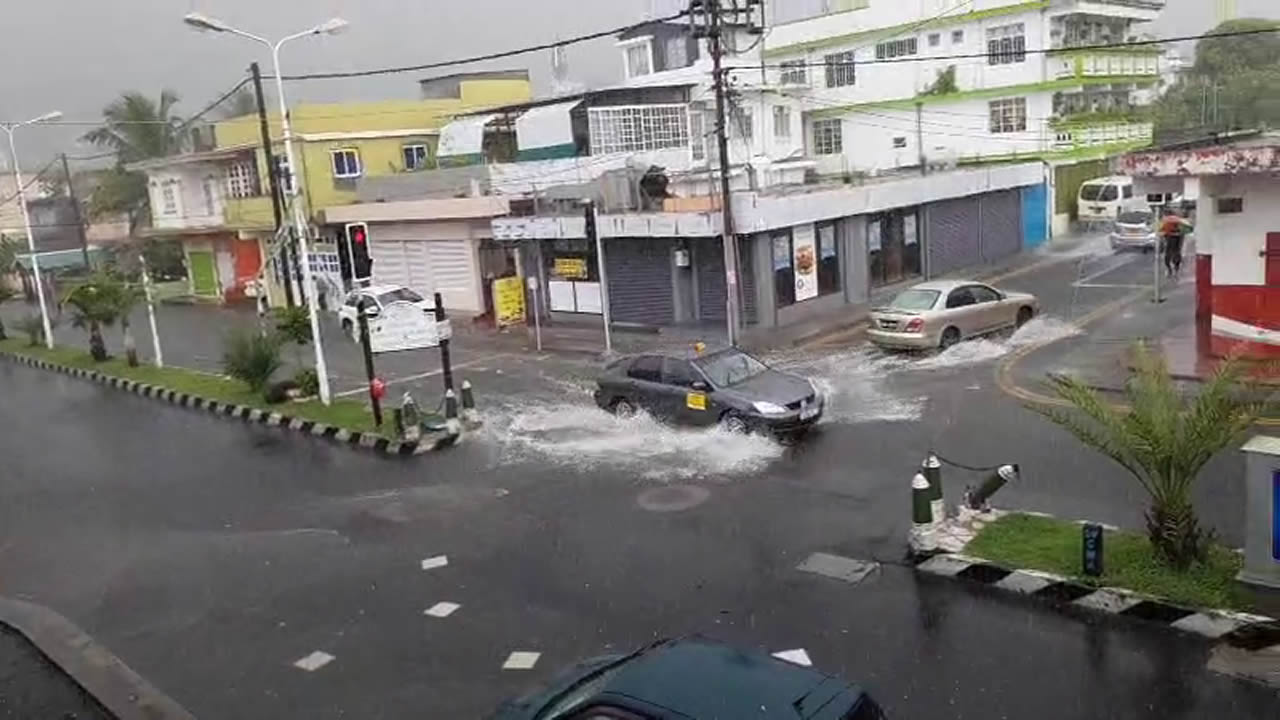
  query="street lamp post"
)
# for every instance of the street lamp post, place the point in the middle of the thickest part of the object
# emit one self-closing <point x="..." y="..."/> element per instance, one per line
<point x="9" y="129"/>
<point x="202" y="22"/>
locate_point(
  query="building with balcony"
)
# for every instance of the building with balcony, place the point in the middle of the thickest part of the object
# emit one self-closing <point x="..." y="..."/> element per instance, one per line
<point x="216" y="199"/>
<point x="884" y="85"/>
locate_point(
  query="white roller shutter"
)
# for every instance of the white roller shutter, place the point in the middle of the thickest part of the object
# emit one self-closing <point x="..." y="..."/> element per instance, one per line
<point x="418" y="263"/>
<point x="455" y="274"/>
<point x="388" y="263"/>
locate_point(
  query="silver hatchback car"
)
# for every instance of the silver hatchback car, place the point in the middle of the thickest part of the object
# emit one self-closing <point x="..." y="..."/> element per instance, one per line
<point x="941" y="314"/>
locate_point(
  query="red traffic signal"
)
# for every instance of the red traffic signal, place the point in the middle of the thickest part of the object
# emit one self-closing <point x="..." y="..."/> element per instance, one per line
<point x="357" y="233"/>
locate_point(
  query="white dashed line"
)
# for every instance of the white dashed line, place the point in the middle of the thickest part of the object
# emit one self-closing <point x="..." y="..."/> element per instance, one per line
<point x="521" y="661"/>
<point x="432" y="563"/>
<point x="314" y="661"/>
<point x="441" y="609"/>
<point x="795" y="657"/>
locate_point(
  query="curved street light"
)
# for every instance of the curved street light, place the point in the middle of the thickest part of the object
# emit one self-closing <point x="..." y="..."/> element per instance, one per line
<point x="329" y="27"/>
<point x="9" y="129"/>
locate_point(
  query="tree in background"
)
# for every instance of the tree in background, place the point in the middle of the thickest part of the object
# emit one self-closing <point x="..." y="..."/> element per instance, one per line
<point x="1234" y="83"/>
<point x="135" y="128"/>
<point x="8" y="260"/>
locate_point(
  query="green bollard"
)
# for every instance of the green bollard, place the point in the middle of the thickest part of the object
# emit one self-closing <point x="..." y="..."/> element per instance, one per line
<point x="978" y="499"/>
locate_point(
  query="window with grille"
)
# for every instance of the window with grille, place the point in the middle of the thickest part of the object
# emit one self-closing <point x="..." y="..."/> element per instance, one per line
<point x="793" y="72"/>
<point x="839" y="67"/>
<point x="897" y="48"/>
<point x="346" y="163"/>
<point x="1008" y="115"/>
<point x="242" y="179"/>
<point x="781" y="122"/>
<point x="828" y="137"/>
<point x="415" y="157"/>
<point x="1006" y="44"/>
<point x="638" y="128"/>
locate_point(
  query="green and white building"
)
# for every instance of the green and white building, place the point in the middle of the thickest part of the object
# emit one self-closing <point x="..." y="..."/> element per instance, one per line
<point x="885" y="84"/>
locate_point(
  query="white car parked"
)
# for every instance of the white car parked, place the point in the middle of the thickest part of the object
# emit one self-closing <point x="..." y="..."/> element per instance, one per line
<point x="376" y="297"/>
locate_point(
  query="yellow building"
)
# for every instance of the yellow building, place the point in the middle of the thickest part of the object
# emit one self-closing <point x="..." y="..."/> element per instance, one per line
<point x="216" y="199"/>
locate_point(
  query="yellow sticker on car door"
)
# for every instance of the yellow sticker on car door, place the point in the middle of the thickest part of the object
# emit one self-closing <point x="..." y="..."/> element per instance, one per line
<point x="696" y="401"/>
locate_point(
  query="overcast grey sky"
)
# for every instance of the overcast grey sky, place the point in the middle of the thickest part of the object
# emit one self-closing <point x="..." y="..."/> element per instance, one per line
<point x="76" y="55"/>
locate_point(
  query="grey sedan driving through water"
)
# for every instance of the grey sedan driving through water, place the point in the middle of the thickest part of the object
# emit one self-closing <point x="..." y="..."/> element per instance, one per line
<point x="729" y="388"/>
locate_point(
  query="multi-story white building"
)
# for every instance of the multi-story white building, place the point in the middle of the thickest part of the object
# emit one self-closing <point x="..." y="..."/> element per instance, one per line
<point x="889" y="83"/>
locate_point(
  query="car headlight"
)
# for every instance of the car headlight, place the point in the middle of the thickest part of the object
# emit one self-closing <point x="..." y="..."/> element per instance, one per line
<point x="768" y="408"/>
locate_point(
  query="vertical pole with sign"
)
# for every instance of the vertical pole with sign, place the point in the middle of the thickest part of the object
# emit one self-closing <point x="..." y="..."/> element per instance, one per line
<point x="445" y="332"/>
<point x="375" y="397"/>
<point x="537" y="311"/>
<point x="593" y="236"/>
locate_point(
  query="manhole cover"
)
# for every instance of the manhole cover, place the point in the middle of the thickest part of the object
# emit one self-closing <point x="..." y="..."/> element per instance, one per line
<point x="838" y="567"/>
<point x="673" y="498"/>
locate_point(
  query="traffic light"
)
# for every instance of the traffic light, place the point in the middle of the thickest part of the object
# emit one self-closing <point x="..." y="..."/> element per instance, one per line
<point x="358" y="246"/>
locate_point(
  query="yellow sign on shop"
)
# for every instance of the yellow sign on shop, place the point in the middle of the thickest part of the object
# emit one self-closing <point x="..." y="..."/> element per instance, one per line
<point x="508" y="301"/>
<point x="570" y="268"/>
<point x="696" y="401"/>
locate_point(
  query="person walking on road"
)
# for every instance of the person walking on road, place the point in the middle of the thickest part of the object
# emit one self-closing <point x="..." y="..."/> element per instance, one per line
<point x="1173" y="230"/>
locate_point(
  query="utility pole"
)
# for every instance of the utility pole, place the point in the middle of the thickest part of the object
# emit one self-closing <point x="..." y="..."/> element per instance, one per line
<point x="273" y="183"/>
<point x="707" y="18"/>
<point x="75" y="211"/>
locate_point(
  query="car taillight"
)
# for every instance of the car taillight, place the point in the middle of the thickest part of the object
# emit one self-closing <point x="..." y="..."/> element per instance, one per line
<point x="916" y="325"/>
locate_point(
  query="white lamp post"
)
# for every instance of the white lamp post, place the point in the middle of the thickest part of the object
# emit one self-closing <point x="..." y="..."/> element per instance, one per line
<point x="330" y="27"/>
<point x="8" y="128"/>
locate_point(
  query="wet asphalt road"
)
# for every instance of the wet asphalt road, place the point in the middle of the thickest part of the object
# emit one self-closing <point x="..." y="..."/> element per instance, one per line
<point x="210" y="556"/>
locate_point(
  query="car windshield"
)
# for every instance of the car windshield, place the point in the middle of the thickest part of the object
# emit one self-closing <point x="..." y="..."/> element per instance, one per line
<point x="730" y="367"/>
<point x="915" y="300"/>
<point x="1135" y="217"/>
<point x="399" y="295"/>
<point x="1091" y="192"/>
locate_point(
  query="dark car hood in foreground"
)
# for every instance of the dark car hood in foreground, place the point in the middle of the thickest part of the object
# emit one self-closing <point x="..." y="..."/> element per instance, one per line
<point x="708" y="681"/>
<point x="773" y="386"/>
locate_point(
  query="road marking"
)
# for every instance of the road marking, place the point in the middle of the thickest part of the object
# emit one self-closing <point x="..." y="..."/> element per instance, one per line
<point x="521" y="660"/>
<point x="314" y="661"/>
<point x="1100" y="273"/>
<point x="433" y="373"/>
<point x="441" y="609"/>
<point x="795" y="657"/>
<point x="432" y="563"/>
<point x="1106" y="285"/>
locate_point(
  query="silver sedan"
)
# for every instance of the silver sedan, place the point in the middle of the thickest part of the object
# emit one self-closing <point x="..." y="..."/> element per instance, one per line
<point x="941" y="314"/>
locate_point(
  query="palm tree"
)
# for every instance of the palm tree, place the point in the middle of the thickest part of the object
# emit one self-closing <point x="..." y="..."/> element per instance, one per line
<point x="135" y="127"/>
<point x="1163" y="439"/>
<point x="127" y="297"/>
<point x="95" y="305"/>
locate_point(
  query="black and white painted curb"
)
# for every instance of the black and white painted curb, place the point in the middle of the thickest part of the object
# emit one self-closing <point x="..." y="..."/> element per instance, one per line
<point x="351" y="438"/>
<point x="1239" y="630"/>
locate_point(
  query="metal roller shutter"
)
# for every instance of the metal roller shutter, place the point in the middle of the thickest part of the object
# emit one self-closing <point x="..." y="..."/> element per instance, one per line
<point x="640" y="281"/>
<point x="1001" y="224"/>
<point x="953" y="235"/>
<point x="403" y="263"/>
<point x="709" y="266"/>
<point x="747" y="277"/>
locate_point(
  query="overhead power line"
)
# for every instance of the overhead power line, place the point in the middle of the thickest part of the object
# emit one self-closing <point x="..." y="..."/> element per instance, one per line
<point x="1027" y="51"/>
<point x="483" y="58"/>
<point x="34" y="179"/>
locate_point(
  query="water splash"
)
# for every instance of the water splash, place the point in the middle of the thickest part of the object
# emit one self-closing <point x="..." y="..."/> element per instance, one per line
<point x="587" y="438"/>
<point x="854" y="382"/>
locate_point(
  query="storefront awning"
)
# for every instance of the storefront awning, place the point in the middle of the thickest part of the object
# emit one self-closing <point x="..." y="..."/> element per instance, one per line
<point x="462" y="140"/>
<point x="546" y="132"/>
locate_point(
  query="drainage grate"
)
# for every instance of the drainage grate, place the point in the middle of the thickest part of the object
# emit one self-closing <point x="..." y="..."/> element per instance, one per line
<point x="838" y="567"/>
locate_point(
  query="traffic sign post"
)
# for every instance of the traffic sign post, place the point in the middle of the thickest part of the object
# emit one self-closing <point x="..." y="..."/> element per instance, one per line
<point x="445" y="332"/>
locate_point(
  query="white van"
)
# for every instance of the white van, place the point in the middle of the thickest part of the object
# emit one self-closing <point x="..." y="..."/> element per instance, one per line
<point x="1101" y="199"/>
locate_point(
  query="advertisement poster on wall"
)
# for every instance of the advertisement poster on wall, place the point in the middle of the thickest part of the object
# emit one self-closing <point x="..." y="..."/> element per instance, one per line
<point x="508" y="301"/>
<point x="805" y="258"/>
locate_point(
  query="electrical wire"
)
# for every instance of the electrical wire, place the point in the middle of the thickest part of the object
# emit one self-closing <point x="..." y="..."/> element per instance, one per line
<point x="482" y="58"/>
<point x="34" y="179"/>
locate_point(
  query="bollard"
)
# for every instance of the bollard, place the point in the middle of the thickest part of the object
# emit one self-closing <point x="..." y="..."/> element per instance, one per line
<point x="932" y="470"/>
<point x="410" y="418"/>
<point x="470" y="417"/>
<point x="922" y="538"/>
<point x="451" y="421"/>
<point x="978" y="500"/>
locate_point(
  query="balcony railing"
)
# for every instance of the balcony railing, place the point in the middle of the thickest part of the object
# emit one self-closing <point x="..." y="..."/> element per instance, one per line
<point x="1068" y="137"/>
<point x="251" y="213"/>
<point x="1105" y="64"/>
